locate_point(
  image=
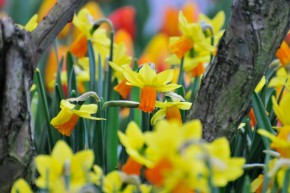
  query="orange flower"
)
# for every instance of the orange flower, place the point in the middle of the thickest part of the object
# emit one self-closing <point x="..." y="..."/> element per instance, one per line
<point x="155" y="175"/>
<point x="123" y="89"/>
<point x="198" y="70"/>
<point x="169" y="26"/>
<point x="124" y="18"/>
<point x="156" y="51"/>
<point x="68" y="117"/>
<point x="52" y="65"/>
<point x="181" y="46"/>
<point x="79" y="47"/>
<point x="283" y="53"/>
<point x="132" y="167"/>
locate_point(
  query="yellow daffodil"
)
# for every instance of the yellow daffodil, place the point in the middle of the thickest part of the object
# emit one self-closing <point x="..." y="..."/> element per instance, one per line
<point x="283" y="109"/>
<point x="281" y="142"/>
<point x="68" y="117"/>
<point x="21" y="186"/>
<point x="122" y="88"/>
<point x="97" y="175"/>
<point x="192" y="37"/>
<point x="31" y="24"/>
<point x="150" y="83"/>
<point x="160" y="143"/>
<point x="216" y="23"/>
<point x="112" y="182"/>
<point x="84" y="22"/>
<point x="121" y="62"/>
<point x="224" y="168"/>
<point x="170" y="110"/>
<point x="133" y="140"/>
<point x="281" y="79"/>
<point x="278" y="168"/>
<point x="175" y="169"/>
<point x="62" y="165"/>
<point x="257" y="185"/>
<point x="261" y="84"/>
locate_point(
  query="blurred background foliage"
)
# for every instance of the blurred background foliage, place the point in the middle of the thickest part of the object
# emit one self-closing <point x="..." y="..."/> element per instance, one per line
<point x="21" y="11"/>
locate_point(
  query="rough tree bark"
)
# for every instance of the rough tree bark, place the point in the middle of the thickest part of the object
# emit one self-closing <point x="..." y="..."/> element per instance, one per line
<point x="255" y="31"/>
<point x="20" y="52"/>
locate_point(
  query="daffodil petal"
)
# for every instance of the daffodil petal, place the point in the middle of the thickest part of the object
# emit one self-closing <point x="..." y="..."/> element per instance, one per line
<point x="164" y="77"/>
<point x="168" y="87"/>
<point x="160" y="114"/>
<point x="133" y="78"/>
<point x="148" y="74"/>
<point x="62" y="152"/>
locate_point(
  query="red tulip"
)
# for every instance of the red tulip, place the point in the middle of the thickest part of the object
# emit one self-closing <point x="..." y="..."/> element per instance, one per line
<point x="124" y="18"/>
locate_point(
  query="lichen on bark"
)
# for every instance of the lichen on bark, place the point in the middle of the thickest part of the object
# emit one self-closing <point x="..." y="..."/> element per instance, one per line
<point x="255" y="31"/>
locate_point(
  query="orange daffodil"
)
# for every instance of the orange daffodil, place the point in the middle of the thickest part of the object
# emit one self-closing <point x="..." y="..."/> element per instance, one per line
<point x="150" y="83"/>
<point x="68" y="117"/>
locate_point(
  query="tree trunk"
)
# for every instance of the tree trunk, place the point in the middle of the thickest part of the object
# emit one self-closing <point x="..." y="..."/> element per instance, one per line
<point x="20" y="52"/>
<point x="255" y="31"/>
<point x="16" y="148"/>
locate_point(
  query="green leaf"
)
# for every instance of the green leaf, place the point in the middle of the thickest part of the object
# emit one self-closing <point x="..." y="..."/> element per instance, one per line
<point x="92" y="62"/>
<point x="43" y="102"/>
<point x="286" y="184"/>
<point x="262" y="119"/>
<point x="247" y="185"/>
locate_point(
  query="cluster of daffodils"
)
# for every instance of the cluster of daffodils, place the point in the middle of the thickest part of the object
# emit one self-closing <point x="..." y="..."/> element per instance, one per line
<point x="171" y="158"/>
<point x="174" y="158"/>
<point x="280" y="143"/>
<point x="280" y="140"/>
<point x="63" y="171"/>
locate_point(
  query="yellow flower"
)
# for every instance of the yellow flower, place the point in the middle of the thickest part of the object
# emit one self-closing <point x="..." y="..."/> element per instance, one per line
<point x="283" y="109"/>
<point x="280" y="79"/>
<point x="84" y="22"/>
<point x="133" y="140"/>
<point x="224" y="168"/>
<point x="119" y="182"/>
<point x="62" y="165"/>
<point x="112" y="182"/>
<point x="281" y="142"/>
<point x="31" y="24"/>
<point x="170" y="110"/>
<point x="21" y="186"/>
<point x="216" y="23"/>
<point x="97" y="175"/>
<point x="68" y="117"/>
<point x="192" y="37"/>
<point x="260" y="85"/>
<point x="169" y="136"/>
<point x="150" y="83"/>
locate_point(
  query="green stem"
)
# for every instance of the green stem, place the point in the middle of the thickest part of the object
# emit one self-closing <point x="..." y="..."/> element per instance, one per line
<point x="180" y="77"/>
